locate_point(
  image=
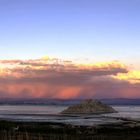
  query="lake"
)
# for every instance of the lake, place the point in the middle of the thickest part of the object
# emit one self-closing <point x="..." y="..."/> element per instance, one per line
<point x="51" y="114"/>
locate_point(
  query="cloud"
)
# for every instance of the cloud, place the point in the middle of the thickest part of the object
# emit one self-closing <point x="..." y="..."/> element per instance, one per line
<point x="55" y="78"/>
<point x="132" y="76"/>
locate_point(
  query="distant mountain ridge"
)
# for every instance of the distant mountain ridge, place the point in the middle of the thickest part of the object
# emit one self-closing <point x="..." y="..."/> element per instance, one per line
<point x="43" y="101"/>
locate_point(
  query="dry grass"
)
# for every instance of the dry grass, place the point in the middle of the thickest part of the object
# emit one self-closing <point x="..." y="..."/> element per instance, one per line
<point x="46" y="131"/>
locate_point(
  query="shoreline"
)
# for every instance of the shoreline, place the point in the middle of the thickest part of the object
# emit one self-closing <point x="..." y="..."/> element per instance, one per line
<point x="22" y="130"/>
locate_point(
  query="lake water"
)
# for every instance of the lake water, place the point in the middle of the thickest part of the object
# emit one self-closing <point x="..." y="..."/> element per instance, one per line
<point x="51" y="114"/>
<point x="126" y="112"/>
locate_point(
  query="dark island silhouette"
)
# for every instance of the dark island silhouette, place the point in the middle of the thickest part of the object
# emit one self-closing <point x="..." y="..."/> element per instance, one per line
<point x="89" y="106"/>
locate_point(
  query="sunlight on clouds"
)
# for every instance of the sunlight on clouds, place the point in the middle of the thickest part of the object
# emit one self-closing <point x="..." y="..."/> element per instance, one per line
<point x="58" y="78"/>
<point x="45" y="57"/>
<point x="132" y="76"/>
<point x="20" y="68"/>
<point x="114" y="64"/>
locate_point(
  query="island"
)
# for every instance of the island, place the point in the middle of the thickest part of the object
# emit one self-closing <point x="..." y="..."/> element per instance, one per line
<point x="89" y="106"/>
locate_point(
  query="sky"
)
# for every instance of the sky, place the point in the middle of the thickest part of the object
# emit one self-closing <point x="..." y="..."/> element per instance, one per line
<point x="96" y="41"/>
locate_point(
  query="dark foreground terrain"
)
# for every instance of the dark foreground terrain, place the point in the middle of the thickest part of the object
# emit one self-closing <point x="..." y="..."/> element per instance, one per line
<point x="10" y="130"/>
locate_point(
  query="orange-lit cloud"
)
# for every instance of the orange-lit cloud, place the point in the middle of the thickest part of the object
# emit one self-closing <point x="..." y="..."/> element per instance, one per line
<point x="55" y="78"/>
<point x="132" y="76"/>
